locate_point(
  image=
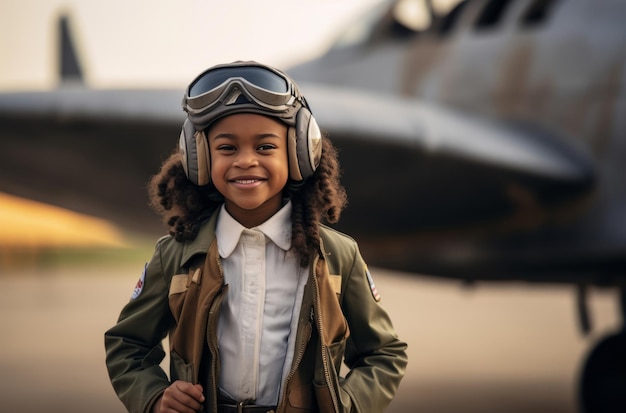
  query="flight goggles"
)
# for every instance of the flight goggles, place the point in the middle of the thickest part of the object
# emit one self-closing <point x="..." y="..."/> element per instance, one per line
<point x="218" y="92"/>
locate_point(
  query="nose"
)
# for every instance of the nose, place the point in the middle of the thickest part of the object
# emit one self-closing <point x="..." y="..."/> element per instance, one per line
<point x="246" y="159"/>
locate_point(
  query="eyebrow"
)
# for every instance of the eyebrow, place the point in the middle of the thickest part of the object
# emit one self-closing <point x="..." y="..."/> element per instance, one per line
<point x="232" y="136"/>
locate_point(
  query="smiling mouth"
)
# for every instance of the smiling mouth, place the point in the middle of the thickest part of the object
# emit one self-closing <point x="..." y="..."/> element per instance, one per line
<point x="245" y="181"/>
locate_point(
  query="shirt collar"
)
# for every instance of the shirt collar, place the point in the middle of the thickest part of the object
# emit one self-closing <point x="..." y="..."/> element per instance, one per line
<point x="277" y="228"/>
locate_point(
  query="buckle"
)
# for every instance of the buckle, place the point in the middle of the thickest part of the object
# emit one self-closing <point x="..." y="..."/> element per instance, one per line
<point x="244" y="406"/>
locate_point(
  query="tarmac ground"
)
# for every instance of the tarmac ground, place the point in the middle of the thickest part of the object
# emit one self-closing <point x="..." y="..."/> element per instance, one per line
<point x="491" y="348"/>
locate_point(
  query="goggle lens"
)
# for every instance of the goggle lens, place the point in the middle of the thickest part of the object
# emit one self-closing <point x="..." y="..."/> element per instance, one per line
<point x="258" y="76"/>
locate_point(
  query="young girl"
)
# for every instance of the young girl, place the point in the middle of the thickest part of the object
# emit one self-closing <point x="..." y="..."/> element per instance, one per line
<point x="261" y="301"/>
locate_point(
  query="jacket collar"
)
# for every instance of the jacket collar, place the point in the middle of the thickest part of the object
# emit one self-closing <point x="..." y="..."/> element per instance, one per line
<point x="206" y="236"/>
<point x="202" y="242"/>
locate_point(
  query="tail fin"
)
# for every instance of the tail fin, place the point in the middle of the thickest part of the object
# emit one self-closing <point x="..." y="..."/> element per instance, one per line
<point x="70" y="70"/>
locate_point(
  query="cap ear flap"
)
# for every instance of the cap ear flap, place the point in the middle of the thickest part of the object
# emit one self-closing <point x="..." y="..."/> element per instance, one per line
<point x="308" y="143"/>
<point x="204" y="159"/>
<point x="187" y="147"/>
<point x="314" y="144"/>
<point x="294" y="168"/>
<point x="194" y="150"/>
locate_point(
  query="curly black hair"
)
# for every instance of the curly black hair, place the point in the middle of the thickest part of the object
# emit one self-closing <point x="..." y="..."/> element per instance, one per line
<point x="183" y="205"/>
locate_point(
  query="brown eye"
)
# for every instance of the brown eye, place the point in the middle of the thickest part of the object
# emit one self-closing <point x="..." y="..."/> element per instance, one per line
<point x="226" y="148"/>
<point x="266" y="147"/>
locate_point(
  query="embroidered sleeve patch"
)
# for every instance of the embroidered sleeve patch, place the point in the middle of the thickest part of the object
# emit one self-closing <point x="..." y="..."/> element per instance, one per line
<point x="373" y="288"/>
<point x="140" y="283"/>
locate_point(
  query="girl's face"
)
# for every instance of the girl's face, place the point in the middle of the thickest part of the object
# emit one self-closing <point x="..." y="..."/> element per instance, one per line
<point x="249" y="165"/>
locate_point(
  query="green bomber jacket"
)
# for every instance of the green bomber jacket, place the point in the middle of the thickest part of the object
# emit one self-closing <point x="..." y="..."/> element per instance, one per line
<point x="341" y="320"/>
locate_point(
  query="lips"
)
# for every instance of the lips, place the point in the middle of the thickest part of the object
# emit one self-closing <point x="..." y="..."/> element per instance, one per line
<point x="246" y="180"/>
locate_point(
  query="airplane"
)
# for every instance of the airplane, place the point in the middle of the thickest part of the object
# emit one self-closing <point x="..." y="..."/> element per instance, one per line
<point x="485" y="144"/>
<point x="488" y="144"/>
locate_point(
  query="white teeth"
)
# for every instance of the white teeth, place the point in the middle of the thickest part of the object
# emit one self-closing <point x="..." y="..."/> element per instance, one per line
<point x="246" y="181"/>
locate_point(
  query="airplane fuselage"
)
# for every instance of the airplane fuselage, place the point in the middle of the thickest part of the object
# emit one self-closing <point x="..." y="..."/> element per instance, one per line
<point x="558" y="70"/>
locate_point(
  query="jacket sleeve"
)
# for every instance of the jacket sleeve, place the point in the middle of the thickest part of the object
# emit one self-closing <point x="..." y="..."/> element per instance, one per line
<point x="376" y="357"/>
<point x="133" y="346"/>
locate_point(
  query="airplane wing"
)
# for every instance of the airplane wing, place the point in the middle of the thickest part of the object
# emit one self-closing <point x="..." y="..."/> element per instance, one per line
<point x="442" y="159"/>
<point x="91" y="151"/>
<point x="451" y="169"/>
<point x="439" y="131"/>
<point x="418" y="126"/>
<point x="81" y="103"/>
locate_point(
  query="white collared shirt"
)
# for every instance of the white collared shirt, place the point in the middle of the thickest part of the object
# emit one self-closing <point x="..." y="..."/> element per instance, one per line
<point x="261" y="308"/>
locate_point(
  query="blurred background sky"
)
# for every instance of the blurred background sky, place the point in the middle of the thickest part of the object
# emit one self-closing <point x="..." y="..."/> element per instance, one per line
<point x="147" y="43"/>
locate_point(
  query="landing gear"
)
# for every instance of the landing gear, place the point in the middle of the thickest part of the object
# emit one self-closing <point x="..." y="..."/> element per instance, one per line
<point x="603" y="380"/>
